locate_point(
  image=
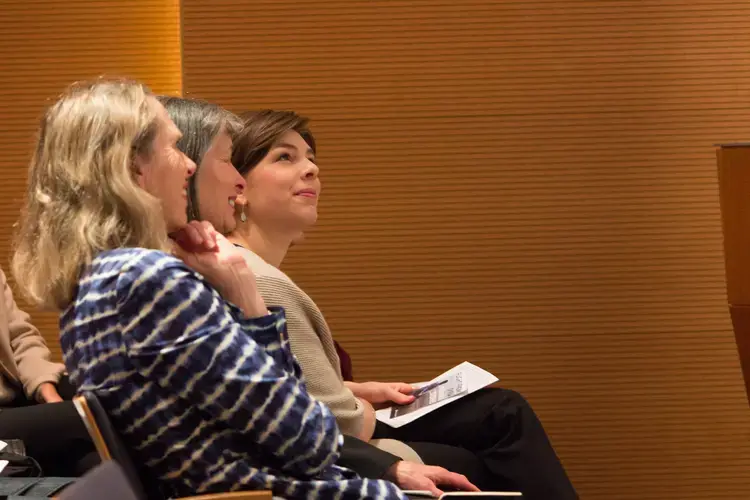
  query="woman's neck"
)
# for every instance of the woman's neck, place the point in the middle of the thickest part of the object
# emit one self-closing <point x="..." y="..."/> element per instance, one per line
<point x="270" y="247"/>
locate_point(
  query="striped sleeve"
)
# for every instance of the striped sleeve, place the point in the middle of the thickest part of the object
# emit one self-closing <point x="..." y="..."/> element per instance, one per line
<point x="180" y="333"/>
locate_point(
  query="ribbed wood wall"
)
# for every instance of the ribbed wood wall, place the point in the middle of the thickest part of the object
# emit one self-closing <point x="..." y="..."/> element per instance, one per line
<point x="527" y="185"/>
<point x="46" y="45"/>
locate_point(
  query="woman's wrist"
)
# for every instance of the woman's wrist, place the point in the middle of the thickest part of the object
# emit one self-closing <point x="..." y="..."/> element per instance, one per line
<point x="252" y="304"/>
<point x="352" y="386"/>
<point x="47" y="392"/>
<point x="368" y="420"/>
<point x="242" y="292"/>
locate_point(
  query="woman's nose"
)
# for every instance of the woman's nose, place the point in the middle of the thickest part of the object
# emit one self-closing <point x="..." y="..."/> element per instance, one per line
<point x="190" y="166"/>
<point x="311" y="170"/>
<point x="240" y="185"/>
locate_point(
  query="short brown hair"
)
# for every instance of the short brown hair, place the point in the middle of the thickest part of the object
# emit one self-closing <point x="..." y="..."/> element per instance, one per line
<point x="261" y="130"/>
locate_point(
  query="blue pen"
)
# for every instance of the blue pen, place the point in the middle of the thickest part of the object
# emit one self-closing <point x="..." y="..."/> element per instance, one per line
<point x="427" y="388"/>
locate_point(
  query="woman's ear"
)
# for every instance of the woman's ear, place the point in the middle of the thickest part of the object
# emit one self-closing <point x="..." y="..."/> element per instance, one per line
<point x="142" y="168"/>
<point x="138" y="169"/>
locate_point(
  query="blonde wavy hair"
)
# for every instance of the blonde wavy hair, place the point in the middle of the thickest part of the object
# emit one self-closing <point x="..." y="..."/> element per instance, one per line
<point x="83" y="197"/>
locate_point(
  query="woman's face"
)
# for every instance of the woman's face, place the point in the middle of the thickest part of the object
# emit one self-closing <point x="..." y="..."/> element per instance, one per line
<point x="283" y="189"/>
<point x="218" y="183"/>
<point x="164" y="170"/>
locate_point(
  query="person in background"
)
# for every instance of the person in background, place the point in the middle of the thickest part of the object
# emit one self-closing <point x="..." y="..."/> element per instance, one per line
<point x="161" y="318"/>
<point x="213" y="191"/>
<point x="35" y="396"/>
<point x="492" y="436"/>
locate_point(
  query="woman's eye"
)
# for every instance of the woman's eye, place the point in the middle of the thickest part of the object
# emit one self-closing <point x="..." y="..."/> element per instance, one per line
<point x="285" y="157"/>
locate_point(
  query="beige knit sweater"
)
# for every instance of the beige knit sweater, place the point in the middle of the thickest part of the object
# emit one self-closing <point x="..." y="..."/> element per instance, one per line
<point x="312" y="345"/>
<point x="24" y="356"/>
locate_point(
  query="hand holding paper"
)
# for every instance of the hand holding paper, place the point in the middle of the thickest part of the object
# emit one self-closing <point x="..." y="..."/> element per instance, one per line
<point x="442" y="390"/>
<point x="383" y="393"/>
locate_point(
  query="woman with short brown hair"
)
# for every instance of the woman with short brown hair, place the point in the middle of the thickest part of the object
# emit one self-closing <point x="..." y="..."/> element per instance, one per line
<point x="492" y="436"/>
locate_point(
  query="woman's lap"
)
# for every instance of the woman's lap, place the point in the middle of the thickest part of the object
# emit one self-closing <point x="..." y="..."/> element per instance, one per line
<point x="467" y="423"/>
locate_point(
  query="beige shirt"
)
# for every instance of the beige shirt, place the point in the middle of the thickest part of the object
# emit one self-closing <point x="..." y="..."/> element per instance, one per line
<point x="312" y="345"/>
<point x="311" y="342"/>
<point x="24" y="355"/>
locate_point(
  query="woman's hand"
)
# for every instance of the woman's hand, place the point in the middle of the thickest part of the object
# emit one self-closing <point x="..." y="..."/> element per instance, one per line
<point x="382" y="394"/>
<point x="208" y="252"/>
<point x="411" y="476"/>
<point x="47" y="393"/>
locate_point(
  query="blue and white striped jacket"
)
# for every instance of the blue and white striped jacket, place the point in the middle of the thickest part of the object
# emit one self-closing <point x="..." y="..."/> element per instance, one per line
<point x="206" y="399"/>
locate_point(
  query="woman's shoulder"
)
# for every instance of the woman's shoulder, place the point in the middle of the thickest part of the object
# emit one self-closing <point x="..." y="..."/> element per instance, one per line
<point x="135" y="259"/>
<point x="261" y="268"/>
<point x="127" y="266"/>
<point x="131" y="256"/>
<point x="116" y="274"/>
<point x="274" y="285"/>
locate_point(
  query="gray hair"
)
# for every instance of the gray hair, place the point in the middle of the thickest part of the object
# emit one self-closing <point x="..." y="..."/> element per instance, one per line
<point x="200" y="122"/>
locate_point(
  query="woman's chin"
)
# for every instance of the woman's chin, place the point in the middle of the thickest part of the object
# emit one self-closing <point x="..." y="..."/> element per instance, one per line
<point x="310" y="220"/>
<point x="306" y="218"/>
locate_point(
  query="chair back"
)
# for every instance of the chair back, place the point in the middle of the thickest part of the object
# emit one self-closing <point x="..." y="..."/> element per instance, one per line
<point x="107" y="440"/>
<point x="106" y="480"/>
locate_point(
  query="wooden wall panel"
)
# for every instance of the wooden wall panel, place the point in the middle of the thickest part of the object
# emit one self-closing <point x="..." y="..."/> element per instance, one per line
<point x="44" y="46"/>
<point x="527" y="185"/>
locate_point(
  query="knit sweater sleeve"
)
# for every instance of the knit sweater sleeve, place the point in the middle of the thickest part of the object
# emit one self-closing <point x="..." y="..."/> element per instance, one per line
<point x="324" y="381"/>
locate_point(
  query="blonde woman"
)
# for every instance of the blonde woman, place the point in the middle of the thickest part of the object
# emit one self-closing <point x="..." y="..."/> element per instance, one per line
<point x="191" y="366"/>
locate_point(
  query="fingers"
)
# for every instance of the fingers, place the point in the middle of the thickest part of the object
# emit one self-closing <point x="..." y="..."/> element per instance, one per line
<point x="429" y="485"/>
<point x="196" y="237"/>
<point x="402" y="387"/>
<point x="463" y="483"/>
<point x="207" y="234"/>
<point x="398" y="397"/>
<point x="186" y="238"/>
<point x="443" y="476"/>
<point x="179" y="252"/>
<point x="436" y="492"/>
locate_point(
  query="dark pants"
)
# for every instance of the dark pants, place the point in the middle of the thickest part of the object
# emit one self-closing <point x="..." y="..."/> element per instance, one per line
<point x="53" y="433"/>
<point x="495" y="439"/>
